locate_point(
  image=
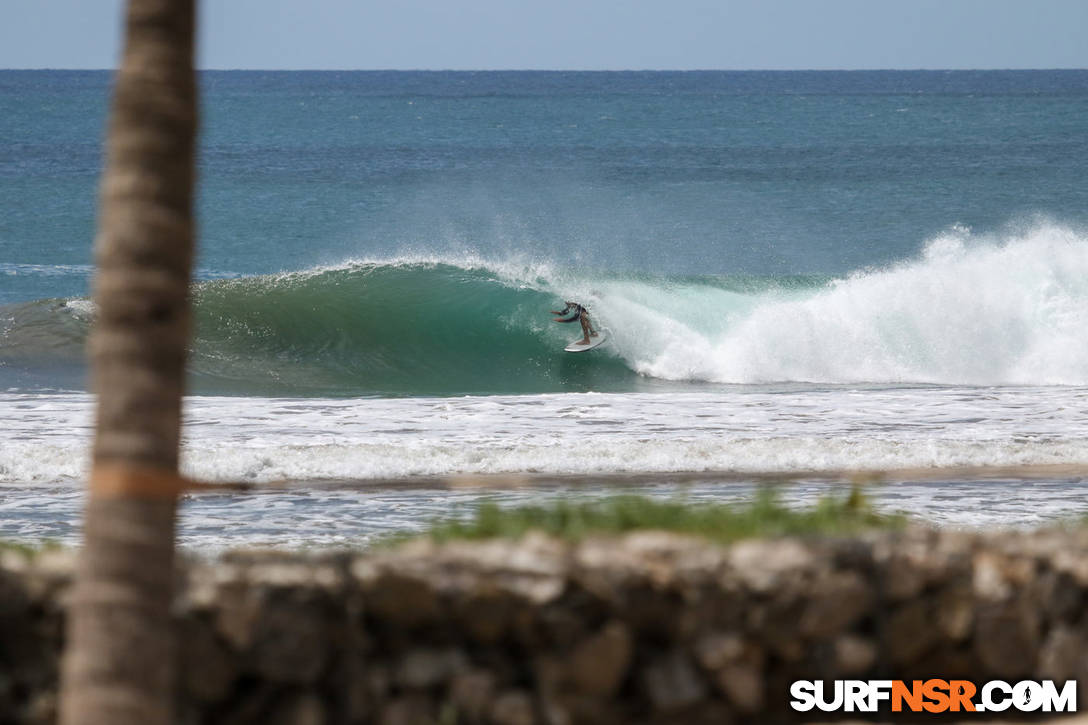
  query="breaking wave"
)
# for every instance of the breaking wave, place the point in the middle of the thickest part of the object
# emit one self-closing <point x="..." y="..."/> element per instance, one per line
<point x="966" y="311"/>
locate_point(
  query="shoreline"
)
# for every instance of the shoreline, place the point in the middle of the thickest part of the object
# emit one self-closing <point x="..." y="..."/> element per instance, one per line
<point x="331" y="514"/>
<point x="501" y="481"/>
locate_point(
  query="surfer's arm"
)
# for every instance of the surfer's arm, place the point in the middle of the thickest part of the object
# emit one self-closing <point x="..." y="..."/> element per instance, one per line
<point x="573" y="311"/>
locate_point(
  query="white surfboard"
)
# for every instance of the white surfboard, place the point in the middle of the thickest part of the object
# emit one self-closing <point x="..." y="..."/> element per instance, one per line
<point x="600" y="339"/>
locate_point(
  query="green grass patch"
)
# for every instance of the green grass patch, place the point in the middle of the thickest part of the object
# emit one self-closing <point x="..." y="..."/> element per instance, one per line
<point x="29" y="550"/>
<point x="577" y="518"/>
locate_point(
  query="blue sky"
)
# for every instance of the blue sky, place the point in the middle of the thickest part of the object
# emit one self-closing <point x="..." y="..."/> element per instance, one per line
<point x="574" y="34"/>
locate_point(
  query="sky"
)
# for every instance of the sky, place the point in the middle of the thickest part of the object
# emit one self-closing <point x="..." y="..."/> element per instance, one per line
<point x="574" y="34"/>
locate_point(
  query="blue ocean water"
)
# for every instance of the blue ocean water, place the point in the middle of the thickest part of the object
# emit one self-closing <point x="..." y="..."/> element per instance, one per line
<point x="681" y="173"/>
<point x="792" y="242"/>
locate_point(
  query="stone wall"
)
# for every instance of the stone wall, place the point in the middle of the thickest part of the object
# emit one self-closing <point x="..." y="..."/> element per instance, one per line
<point x="646" y="628"/>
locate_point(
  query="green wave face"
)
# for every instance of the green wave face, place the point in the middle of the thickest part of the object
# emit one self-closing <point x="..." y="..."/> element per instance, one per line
<point x="412" y="329"/>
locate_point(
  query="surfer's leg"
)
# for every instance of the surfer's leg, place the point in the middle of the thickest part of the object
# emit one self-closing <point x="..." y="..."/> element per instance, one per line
<point x="584" y="319"/>
<point x="587" y="326"/>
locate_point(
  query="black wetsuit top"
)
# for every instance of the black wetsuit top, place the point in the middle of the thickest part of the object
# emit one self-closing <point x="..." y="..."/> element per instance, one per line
<point x="574" y="309"/>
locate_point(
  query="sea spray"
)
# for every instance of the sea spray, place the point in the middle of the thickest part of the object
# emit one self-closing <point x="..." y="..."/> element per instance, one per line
<point x="968" y="311"/>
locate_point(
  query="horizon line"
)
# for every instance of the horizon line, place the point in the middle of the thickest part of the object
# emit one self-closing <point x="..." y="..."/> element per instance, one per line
<point x="580" y="70"/>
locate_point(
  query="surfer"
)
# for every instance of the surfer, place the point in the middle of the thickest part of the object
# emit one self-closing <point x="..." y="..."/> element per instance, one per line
<point x="574" y="311"/>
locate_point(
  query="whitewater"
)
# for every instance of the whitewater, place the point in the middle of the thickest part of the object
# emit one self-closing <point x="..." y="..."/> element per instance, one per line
<point x="341" y="471"/>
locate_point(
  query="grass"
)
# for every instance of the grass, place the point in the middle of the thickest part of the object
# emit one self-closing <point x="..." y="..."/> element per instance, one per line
<point x="577" y="518"/>
<point x="29" y="550"/>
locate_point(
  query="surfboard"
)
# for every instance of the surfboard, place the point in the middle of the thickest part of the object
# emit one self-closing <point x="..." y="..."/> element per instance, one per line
<point x="601" y="338"/>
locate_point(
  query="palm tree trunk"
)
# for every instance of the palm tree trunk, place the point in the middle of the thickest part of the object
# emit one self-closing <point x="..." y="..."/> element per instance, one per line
<point x="118" y="664"/>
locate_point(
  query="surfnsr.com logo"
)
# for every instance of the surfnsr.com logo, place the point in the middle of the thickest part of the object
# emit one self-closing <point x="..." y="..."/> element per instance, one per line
<point x="933" y="696"/>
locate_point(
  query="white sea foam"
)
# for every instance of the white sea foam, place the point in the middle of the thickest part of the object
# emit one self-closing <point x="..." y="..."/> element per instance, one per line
<point x="44" y="453"/>
<point x="45" y="270"/>
<point x="262" y="439"/>
<point x="81" y="307"/>
<point x="1009" y="311"/>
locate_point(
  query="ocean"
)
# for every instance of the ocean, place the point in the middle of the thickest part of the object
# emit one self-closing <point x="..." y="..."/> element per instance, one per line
<point x="803" y="273"/>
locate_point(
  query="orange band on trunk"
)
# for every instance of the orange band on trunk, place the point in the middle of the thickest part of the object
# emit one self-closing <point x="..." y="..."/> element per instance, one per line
<point x="127" y="481"/>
